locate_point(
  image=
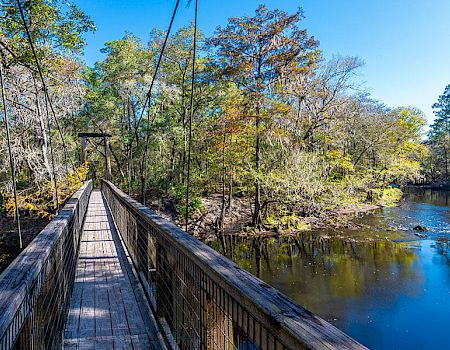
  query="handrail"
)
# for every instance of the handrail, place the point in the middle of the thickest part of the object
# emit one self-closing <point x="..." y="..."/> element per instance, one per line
<point x="35" y="288"/>
<point x="203" y="300"/>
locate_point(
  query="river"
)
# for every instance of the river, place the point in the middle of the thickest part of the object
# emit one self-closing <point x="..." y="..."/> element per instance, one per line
<point x="381" y="284"/>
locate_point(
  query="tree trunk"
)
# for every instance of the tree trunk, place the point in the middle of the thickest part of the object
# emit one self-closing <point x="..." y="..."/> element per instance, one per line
<point x="44" y="145"/>
<point x="256" y="221"/>
<point x="446" y="163"/>
<point x="219" y="225"/>
<point x="143" y="187"/>
<point x="230" y="192"/>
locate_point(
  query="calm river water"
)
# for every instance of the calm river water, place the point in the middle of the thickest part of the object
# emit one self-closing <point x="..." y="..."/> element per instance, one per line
<point x="387" y="295"/>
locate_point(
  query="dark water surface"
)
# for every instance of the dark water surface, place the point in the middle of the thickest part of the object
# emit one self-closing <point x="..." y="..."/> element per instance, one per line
<point x="387" y="295"/>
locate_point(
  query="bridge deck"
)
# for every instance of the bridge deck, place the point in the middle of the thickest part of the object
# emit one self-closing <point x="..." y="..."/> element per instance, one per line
<point x="107" y="305"/>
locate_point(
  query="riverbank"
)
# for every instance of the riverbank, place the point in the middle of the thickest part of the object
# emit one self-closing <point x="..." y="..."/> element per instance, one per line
<point x="238" y="216"/>
<point x="437" y="186"/>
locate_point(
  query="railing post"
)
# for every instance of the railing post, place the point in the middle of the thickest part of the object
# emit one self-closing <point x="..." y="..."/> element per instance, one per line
<point x="83" y="149"/>
<point x="108" y="175"/>
<point x="164" y="285"/>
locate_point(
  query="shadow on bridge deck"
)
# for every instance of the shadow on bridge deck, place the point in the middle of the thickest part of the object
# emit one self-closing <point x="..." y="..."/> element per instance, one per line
<point x="107" y="308"/>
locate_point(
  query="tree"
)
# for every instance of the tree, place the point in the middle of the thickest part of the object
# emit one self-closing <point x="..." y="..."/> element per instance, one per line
<point x="56" y="31"/>
<point x="439" y="134"/>
<point x="116" y="93"/>
<point x="257" y="52"/>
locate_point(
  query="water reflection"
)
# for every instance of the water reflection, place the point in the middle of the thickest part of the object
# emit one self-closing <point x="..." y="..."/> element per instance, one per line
<point x="420" y="195"/>
<point x="443" y="249"/>
<point x="301" y="267"/>
<point x="385" y="294"/>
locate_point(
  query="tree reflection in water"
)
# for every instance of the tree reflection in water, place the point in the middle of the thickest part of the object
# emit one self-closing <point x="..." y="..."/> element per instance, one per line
<point x="385" y="294"/>
<point x="331" y="276"/>
<point x="306" y="267"/>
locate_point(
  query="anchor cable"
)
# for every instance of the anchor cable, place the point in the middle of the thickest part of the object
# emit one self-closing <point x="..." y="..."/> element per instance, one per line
<point x="52" y="158"/>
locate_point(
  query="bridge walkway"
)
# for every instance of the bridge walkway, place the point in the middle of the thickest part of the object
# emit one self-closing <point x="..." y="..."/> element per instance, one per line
<point x="107" y="307"/>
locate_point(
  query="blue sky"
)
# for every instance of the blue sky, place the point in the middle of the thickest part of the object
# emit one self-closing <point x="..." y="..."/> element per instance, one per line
<point x="405" y="44"/>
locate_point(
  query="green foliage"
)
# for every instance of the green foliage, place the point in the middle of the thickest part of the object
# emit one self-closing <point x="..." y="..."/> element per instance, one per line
<point x="287" y="223"/>
<point x="270" y="117"/>
<point x="340" y="164"/>
<point x="54" y="24"/>
<point x="40" y="203"/>
<point x="388" y="197"/>
<point x="195" y="207"/>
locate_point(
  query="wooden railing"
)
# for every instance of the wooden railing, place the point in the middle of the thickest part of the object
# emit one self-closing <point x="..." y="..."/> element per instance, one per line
<point x="202" y="300"/>
<point x="35" y="289"/>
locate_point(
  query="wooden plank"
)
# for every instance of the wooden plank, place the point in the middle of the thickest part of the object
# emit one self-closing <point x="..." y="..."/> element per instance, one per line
<point x="104" y="343"/>
<point x="87" y="315"/>
<point x="140" y="342"/>
<point x="133" y="313"/>
<point x="109" y="312"/>
<point x="122" y="342"/>
<point x="71" y="331"/>
<point x="102" y="306"/>
<point x="86" y="344"/>
<point x="70" y="344"/>
<point x="118" y="316"/>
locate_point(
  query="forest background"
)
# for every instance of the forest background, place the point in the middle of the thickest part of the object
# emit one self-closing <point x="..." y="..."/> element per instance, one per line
<point x="277" y="137"/>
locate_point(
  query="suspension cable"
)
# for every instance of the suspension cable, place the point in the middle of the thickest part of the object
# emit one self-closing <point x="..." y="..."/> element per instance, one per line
<point x="52" y="158"/>
<point x="147" y="101"/>
<point x="44" y="86"/>
<point x="188" y="178"/>
<point x="11" y="160"/>
<point x="149" y="93"/>
<point x="47" y="103"/>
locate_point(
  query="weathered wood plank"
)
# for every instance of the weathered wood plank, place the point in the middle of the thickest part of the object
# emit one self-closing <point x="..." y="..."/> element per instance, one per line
<point x="102" y="307"/>
<point x="104" y="295"/>
<point x="123" y="342"/>
<point x="73" y="321"/>
<point x="140" y="342"/>
<point x="104" y="343"/>
<point x="71" y="344"/>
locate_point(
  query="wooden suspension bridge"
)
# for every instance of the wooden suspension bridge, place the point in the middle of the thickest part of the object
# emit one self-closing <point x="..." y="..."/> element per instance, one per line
<point x="108" y="273"/>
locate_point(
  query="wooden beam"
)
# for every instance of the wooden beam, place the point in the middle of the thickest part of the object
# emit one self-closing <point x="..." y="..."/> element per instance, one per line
<point x="93" y="134"/>
<point x="108" y="175"/>
<point x="83" y="149"/>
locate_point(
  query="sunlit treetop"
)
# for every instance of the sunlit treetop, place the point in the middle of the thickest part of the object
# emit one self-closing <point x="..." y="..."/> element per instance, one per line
<point x="55" y="25"/>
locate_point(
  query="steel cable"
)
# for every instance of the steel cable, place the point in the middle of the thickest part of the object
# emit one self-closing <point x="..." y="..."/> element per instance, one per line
<point x="188" y="178"/>
<point x="147" y="101"/>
